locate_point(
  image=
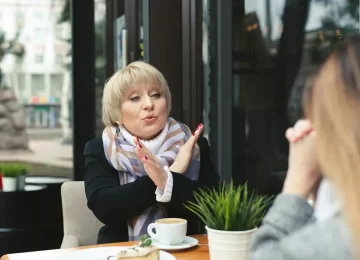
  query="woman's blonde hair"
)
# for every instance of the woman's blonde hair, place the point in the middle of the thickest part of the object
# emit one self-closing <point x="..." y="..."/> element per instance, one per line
<point x="332" y="103"/>
<point x="136" y="73"/>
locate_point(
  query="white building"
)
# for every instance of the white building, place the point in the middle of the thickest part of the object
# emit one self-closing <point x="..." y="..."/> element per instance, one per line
<point x="40" y="72"/>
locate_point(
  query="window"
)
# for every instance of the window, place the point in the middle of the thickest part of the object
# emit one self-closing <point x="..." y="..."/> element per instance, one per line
<point x="58" y="31"/>
<point x="56" y="81"/>
<point x="38" y="16"/>
<point x="37" y="84"/>
<point x="39" y="58"/>
<point x="58" y="59"/>
<point x="39" y="35"/>
<point x="275" y="45"/>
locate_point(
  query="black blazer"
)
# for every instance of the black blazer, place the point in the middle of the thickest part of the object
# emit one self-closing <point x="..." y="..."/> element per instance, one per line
<point x="113" y="204"/>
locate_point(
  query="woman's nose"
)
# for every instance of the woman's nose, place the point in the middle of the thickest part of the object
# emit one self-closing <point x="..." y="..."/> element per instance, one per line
<point x="149" y="104"/>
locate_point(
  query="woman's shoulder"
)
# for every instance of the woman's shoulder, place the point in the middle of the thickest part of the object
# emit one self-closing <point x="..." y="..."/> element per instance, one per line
<point x="332" y="237"/>
<point x="94" y="154"/>
<point x="94" y="147"/>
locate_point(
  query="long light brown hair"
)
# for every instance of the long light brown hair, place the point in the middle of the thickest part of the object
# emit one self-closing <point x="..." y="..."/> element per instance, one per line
<point x="332" y="103"/>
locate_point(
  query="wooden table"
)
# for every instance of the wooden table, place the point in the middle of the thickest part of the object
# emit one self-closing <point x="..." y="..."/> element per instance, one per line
<point x="200" y="252"/>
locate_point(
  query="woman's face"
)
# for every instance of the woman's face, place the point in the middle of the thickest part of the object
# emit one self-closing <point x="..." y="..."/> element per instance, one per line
<point x="144" y="111"/>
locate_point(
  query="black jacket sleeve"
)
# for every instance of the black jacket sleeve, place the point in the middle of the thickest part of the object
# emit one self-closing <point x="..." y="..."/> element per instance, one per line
<point x="112" y="202"/>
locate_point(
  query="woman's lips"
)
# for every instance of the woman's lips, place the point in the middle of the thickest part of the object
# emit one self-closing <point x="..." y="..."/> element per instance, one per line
<point x="149" y="120"/>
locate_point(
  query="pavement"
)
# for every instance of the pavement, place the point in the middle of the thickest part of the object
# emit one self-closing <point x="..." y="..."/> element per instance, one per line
<point x="44" y="133"/>
<point x="47" y="152"/>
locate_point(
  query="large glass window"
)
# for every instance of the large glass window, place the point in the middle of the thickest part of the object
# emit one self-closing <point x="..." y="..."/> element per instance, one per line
<point x="100" y="59"/>
<point x="35" y="119"/>
<point x="276" y="44"/>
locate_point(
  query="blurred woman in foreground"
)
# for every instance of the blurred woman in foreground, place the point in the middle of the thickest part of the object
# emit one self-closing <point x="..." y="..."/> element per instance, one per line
<point x="327" y="142"/>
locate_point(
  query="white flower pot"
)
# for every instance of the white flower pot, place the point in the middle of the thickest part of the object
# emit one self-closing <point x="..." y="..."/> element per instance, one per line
<point x="20" y="185"/>
<point x="9" y="183"/>
<point x="229" y="245"/>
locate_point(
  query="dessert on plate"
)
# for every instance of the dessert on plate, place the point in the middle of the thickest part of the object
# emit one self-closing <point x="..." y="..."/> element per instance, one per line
<point x="142" y="251"/>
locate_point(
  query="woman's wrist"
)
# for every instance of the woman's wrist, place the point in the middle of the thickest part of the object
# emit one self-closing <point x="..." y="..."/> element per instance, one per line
<point x="163" y="178"/>
<point x="293" y="191"/>
<point x="295" y="187"/>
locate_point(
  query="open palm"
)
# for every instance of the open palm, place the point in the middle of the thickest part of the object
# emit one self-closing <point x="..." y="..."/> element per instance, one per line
<point x="183" y="158"/>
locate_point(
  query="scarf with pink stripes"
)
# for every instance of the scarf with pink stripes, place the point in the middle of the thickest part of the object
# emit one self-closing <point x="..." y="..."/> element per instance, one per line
<point x="120" y="152"/>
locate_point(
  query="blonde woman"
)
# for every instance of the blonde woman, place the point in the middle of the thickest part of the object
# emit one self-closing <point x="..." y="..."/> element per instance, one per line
<point x="328" y="142"/>
<point x="147" y="164"/>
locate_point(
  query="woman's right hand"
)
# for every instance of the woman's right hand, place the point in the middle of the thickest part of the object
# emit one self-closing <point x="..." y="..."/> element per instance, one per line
<point x="303" y="175"/>
<point x="152" y="167"/>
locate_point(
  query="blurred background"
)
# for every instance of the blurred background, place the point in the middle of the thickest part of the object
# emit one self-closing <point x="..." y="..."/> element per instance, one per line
<point x="238" y="66"/>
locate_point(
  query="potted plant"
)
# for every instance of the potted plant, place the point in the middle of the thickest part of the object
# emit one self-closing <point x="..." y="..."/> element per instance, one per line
<point x="13" y="176"/>
<point x="23" y="171"/>
<point x="231" y="215"/>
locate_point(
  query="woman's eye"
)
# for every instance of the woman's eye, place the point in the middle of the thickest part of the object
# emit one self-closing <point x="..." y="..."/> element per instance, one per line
<point x="156" y="95"/>
<point x="134" y="99"/>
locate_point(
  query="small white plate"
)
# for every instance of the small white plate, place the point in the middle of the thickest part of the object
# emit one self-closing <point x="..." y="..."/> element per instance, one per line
<point x="101" y="253"/>
<point x="189" y="242"/>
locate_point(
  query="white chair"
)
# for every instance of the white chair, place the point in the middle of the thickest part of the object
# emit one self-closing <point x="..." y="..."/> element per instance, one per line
<point x="81" y="227"/>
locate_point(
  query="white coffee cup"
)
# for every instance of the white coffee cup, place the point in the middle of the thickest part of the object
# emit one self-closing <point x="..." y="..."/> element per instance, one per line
<point x="169" y="231"/>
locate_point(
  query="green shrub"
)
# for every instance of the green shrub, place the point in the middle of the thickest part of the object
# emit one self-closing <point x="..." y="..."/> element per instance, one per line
<point x="230" y="208"/>
<point x="13" y="169"/>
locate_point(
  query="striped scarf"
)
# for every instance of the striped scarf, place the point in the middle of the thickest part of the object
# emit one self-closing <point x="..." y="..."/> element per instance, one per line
<point x="120" y="153"/>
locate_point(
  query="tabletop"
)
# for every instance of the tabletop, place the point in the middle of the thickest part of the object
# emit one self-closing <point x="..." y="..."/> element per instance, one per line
<point x="200" y="252"/>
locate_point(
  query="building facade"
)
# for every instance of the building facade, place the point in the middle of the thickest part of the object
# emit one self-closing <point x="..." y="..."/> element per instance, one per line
<point x="37" y="76"/>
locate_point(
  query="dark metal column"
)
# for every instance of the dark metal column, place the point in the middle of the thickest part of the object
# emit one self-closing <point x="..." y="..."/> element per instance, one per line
<point x="191" y="63"/>
<point x="83" y="79"/>
<point x="162" y="45"/>
<point x="224" y="89"/>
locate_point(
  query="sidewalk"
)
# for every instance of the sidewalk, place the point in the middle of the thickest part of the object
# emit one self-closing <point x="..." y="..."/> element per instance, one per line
<point x="47" y="152"/>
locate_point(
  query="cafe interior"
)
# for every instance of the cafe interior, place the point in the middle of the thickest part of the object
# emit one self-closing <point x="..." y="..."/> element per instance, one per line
<point x="236" y="66"/>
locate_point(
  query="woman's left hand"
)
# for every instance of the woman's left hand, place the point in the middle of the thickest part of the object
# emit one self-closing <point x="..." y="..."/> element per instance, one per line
<point x="153" y="169"/>
<point x="183" y="158"/>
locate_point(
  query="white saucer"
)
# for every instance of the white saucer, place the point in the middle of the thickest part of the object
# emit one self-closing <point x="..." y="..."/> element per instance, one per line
<point x="188" y="243"/>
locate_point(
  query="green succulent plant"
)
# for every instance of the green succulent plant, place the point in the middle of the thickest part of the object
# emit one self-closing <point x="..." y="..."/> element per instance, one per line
<point x="229" y="208"/>
<point x="13" y="169"/>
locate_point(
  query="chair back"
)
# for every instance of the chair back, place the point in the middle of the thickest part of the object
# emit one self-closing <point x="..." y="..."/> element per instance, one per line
<point x="79" y="220"/>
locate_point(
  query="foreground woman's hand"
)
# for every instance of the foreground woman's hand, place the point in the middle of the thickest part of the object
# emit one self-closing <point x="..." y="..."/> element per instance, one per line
<point x="183" y="158"/>
<point x="303" y="175"/>
<point x="153" y="169"/>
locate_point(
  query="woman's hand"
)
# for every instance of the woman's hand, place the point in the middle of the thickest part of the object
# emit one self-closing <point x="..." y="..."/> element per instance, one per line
<point x="153" y="169"/>
<point x="183" y="158"/>
<point x="303" y="175"/>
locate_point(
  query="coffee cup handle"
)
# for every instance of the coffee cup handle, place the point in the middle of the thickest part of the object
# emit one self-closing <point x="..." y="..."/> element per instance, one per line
<point x="150" y="229"/>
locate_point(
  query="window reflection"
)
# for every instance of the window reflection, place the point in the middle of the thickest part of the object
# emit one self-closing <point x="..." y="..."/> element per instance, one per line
<point x="276" y="44"/>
